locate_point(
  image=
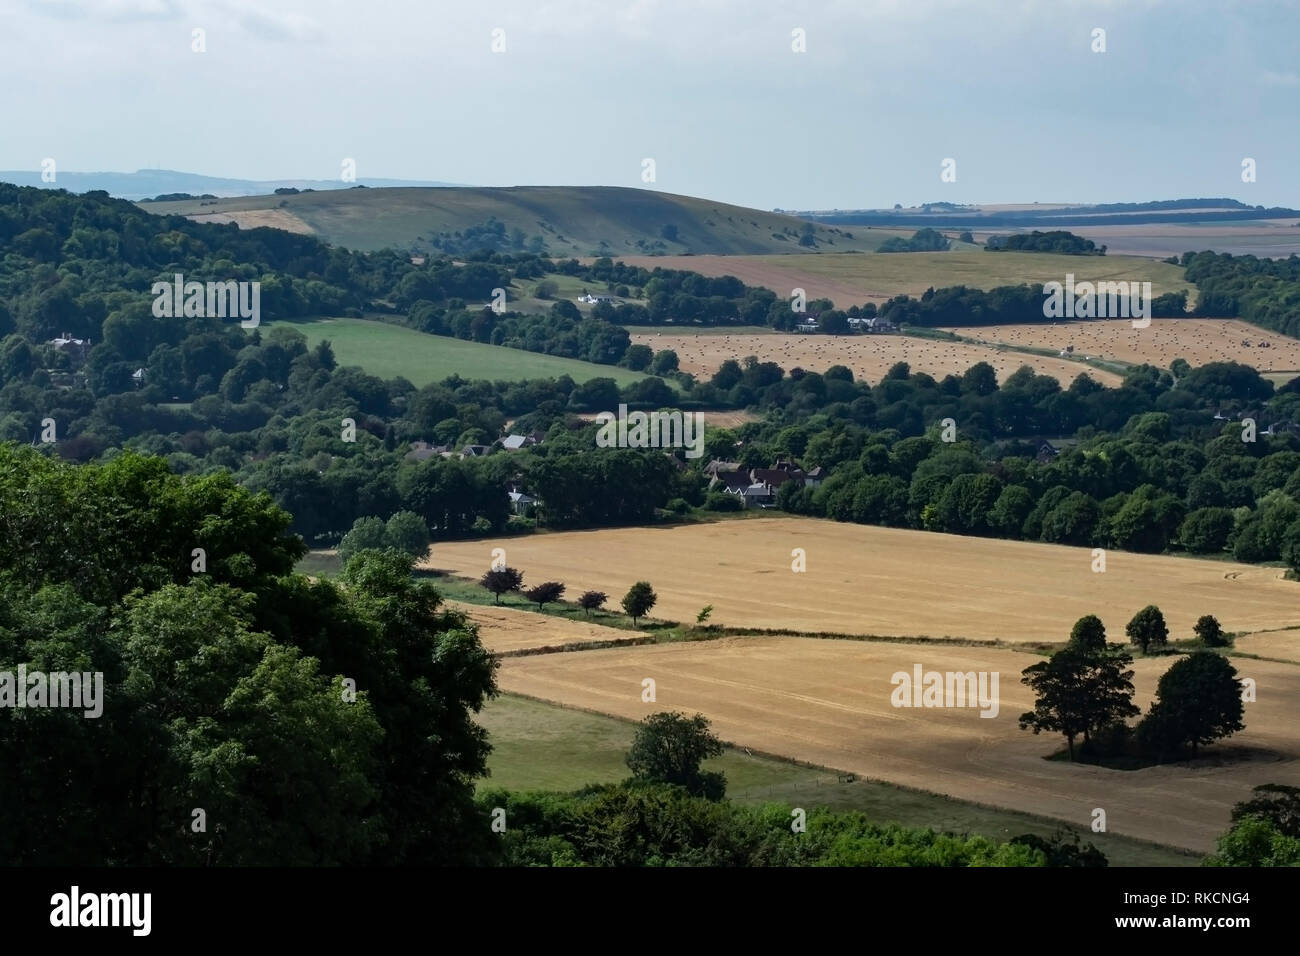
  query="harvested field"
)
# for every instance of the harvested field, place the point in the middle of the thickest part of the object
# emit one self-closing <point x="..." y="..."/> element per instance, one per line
<point x="1278" y="645"/>
<point x="1199" y="341"/>
<point x="869" y="356"/>
<point x="829" y="702"/>
<point x="887" y="581"/>
<point x="504" y="629"/>
<point x="859" y="278"/>
<point x="253" y="218"/>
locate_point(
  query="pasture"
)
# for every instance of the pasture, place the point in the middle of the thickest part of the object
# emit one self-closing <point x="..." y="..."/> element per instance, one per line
<point x="388" y="351"/>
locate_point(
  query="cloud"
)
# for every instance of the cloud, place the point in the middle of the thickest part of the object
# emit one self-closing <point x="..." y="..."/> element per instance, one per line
<point x="1269" y="78"/>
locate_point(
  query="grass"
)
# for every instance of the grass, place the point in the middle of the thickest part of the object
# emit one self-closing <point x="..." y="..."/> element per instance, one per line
<point x="914" y="272"/>
<point x="388" y="351"/>
<point x="572" y="220"/>
<point x="542" y="746"/>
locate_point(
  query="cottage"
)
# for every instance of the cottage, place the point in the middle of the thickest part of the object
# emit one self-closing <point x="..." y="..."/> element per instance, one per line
<point x="475" y="451"/>
<point x="516" y="442"/>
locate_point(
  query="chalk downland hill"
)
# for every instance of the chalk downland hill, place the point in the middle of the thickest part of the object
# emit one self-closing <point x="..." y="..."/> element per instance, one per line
<point x="570" y="220"/>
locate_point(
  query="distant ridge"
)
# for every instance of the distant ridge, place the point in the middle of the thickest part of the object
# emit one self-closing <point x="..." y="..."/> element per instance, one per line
<point x="147" y="183"/>
<point x="1052" y="215"/>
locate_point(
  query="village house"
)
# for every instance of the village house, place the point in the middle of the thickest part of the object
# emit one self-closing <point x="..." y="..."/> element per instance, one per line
<point x="422" y="451"/>
<point x="76" y="349"/>
<point x="475" y="451"/>
<point x="516" y="442"/>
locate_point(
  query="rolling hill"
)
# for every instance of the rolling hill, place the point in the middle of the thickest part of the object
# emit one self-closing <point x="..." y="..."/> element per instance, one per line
<point x="565" y="220"/>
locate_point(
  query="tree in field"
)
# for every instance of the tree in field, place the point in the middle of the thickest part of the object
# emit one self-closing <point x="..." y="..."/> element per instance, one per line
<point x="545" y="593"/>
<point x="1077" y="693"/>
<point x="669" y="748"/>
<point x="703" y="616"/>
<point x="1088" y="634"/>
<point x="501" y="580"/>
<point x="638" y="601"/>
<point x="366" y="534"/>
<point x="592" y="600"/>
<point x="1148" y="628"/>
<point x="1198" y="701"/>
<point x="1209" y="632"/>
<point x="407" y="532"/>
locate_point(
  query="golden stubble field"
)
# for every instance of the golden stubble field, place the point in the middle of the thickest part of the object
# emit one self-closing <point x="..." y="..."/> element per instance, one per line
<point x="829" y="702"/>
<point x="506" y="629"/>
<point x="862" y="579"/>
<point x="868" y="356"/>
<point x="1199" y="341"/>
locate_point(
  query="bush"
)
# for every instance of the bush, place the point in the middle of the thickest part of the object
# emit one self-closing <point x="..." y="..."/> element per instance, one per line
<point x="721" y="501"/>
<point x="678" y="506"/>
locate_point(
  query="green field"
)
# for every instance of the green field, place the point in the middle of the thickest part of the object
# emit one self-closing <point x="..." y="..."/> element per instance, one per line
<point x="540" y="746"/>
<point x="388" y="351"/>
<point x="572" y="220"/>
<point x="914" y="272"/>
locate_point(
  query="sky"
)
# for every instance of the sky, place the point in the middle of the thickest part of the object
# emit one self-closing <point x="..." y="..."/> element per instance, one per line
<point x="581" y="92"/>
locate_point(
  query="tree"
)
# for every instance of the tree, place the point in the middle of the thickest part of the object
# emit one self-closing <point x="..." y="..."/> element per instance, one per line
<point x="592" y="600"/>
<point x="638" y="601"/>
<point x="1276" y="803"/>
<point x="1253" y="841"/>
<point x="1078" y="693"/>
<point x="366" y="533"/>
<point x="501" y="580"/>
<point x="545" y="593"/>
<point x="407" y="532"/>
<point x="1209" y="632"/>
<point x="1198" y="701"/>
<point x="1148" y="628"/>
<point x="669" y="748"/>
<point x="665" y="362"/>
<point x="1088" y="634"/>
<point x="703" y="616"/>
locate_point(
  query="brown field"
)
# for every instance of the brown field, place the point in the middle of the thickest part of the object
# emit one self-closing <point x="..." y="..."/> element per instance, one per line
<point x="869" y="356"/>
<point x="858" y="278"/>
<point x="862" y="579"/>
<point x="828" y="702"/>
<point x="713" y="418"/>
<point x="1262" y="237"/>
<point x="1199" y="341"/>
<point x="252" y="218"/>
<point x="1277" y="645"/>
<point x="505" y="629"/>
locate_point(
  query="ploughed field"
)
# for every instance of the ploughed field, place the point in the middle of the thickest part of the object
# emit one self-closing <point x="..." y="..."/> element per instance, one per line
<point x="862" y="579"/>
<point x="869" y="357"/>
<point x="829" y="702"/>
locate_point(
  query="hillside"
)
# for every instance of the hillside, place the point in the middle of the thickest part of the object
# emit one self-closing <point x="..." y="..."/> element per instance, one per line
<point x="563" y="220"/>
